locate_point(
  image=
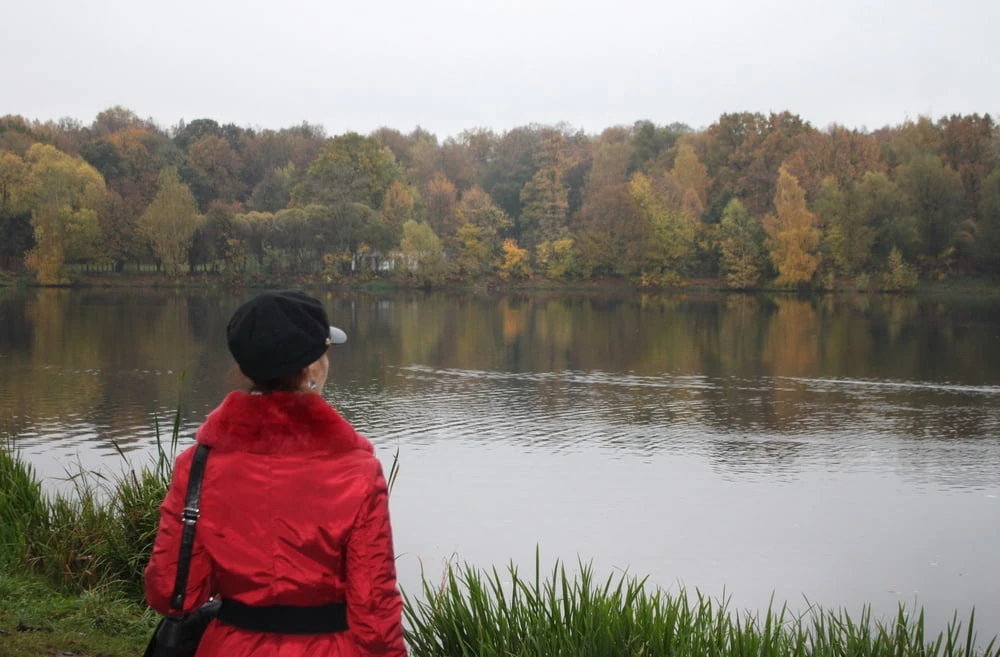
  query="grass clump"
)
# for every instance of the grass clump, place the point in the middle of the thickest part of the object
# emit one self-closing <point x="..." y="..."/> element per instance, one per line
<point x="98" y="536"/>
<point x="493" y="614"/>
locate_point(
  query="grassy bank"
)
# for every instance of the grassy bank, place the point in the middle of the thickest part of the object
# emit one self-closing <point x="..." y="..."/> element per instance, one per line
<point x="71" y="566"/>
<point x="36" y="620"/>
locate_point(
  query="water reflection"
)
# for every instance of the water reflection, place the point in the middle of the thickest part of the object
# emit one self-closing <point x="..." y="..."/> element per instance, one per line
<point x="760" y="386"/>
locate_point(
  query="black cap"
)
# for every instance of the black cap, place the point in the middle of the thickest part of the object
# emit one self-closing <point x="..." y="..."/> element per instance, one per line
<point x="279" y="333"/>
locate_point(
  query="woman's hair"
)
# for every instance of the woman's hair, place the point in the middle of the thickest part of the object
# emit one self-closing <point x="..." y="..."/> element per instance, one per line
<point x="288" y="383"/>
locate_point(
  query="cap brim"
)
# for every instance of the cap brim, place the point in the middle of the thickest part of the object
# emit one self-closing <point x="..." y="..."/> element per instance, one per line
<point x="337" y="336"/>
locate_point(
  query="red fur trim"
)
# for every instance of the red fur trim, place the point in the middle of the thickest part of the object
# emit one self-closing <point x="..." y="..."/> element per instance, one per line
<point x="279" y="423"/>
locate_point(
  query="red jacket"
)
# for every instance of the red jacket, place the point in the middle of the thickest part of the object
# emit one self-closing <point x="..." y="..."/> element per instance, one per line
<point x="294" y="511"/>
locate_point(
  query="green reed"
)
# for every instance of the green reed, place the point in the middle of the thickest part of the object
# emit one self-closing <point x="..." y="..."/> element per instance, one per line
<point x="100" y="534"/>
<point x="495" y="613"/>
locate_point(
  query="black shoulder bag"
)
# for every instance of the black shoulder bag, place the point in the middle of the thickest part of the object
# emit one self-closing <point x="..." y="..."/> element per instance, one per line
<point x="178" y="636"/>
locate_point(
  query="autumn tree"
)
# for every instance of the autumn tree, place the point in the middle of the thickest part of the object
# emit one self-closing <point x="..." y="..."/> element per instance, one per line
<point x="17" y="191"/>
<point x="515" y="263"/>
<point x="968" y="148"/>
<point x="690" y="173"/>
<point x="839" y="153"/>
<point x="398" y="206"/>
<point x="213" y="170"/>
<point x="610" y="164"/>
<point x="64" y="211"/>
<point x="117" y="119"/>
<point x="130" y="160"/>
<point x="170" y="222"/>
<point x="481" y="224"/>
<point x="441" y="199"/>
<point x="792" y="235"/>
<point x="742" y="246"/>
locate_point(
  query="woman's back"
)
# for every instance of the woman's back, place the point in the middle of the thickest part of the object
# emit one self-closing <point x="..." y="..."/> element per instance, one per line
<point x="293" y="512"/>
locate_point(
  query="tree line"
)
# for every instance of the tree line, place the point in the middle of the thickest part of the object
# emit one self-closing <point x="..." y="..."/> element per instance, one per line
<point x="752" y="199"/>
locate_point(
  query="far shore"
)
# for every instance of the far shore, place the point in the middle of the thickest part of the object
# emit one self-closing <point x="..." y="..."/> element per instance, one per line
<point x="964" y="286"/>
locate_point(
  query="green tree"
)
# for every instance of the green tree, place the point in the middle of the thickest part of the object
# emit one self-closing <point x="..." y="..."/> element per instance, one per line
<point x="742" y="246"/>
<point x="545" y="197"/>
<point x="935" y="200"/>
<point x="422" y="253"/>
<point x="669" y="227"/>
<point x="559" y="259"/>
<point x="612" y="232"/>
<point x="170" y="222"/>
<point x="792" y="234"/>
<point x="274" y="191"/>
<point x="883" y="208"/>
<point x="849" y="237"/>
<point x="988" y="233"/>
<point x="64" y="212"/>
<point x="350" y="169"/>
<point x="473" y="257"/>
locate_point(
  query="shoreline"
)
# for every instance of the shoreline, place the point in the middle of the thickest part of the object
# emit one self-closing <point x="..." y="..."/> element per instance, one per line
<point x="964" y="286"/>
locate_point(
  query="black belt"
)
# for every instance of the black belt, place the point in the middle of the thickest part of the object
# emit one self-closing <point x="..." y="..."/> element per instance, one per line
<point x="286" y="619"/>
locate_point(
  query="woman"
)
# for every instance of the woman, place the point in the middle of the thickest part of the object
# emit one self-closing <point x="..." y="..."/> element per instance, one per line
<point x="294" y="530"/>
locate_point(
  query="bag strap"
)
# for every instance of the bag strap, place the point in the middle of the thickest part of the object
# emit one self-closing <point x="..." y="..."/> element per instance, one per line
<point x="190" y="519"/>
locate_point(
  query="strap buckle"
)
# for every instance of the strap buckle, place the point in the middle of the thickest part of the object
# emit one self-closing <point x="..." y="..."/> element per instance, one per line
<point x="190" y="515"/>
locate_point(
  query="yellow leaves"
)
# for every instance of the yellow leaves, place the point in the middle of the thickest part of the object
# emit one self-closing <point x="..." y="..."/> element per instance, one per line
<point x="793" y="236"/>
<point x="17" y="185"/>
<point x="515" y="261"/>
<point x="691" y="174"/>
<point x="64" y="211"/>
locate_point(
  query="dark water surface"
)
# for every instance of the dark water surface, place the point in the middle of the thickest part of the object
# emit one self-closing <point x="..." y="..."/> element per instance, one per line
<point x="844" y="451"/>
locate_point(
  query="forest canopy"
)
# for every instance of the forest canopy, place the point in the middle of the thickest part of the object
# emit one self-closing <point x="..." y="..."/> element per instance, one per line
<point x="749" y="200"/>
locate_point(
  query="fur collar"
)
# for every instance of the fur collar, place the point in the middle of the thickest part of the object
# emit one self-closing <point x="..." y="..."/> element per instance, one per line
<point x="279" y="423"/>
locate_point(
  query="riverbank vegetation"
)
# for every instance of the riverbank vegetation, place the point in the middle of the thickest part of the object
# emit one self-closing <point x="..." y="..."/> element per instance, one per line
<point x="71" y="565"/>
<point x="752" y="200"/>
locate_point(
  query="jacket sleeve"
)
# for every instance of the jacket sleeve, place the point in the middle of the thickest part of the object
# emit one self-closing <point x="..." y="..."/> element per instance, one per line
<point x="161" y="572"/>
<point x="374" y="604"/>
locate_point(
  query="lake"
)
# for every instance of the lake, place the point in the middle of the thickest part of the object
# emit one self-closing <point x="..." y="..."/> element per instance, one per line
<point x="835" y="450"/>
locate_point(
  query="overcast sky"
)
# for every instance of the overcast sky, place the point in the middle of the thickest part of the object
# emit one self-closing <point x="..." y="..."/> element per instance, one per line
<point x="448" y="65"/>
